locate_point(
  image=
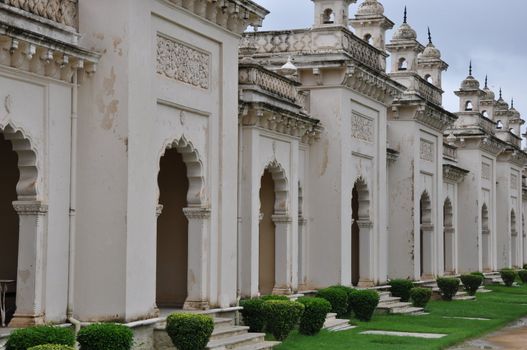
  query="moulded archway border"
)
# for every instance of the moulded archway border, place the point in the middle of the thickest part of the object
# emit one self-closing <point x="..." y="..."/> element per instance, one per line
<point x="280" y="187"/>
<point x="364" y="198"/>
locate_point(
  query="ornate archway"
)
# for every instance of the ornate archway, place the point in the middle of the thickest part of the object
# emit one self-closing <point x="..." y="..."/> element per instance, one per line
<point x="360" y="234"/>
<point x="426" y="236"/>
<point x="182" y="270"/>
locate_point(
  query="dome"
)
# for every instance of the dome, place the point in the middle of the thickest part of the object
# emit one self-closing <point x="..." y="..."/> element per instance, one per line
<point x="370" y="8"/>
<point x="489" y="94"/>
<point x="405" y="32"/>
<point x="502" y="105"/>
<point x="470" y="83"/>
<point x="431" y="51"/>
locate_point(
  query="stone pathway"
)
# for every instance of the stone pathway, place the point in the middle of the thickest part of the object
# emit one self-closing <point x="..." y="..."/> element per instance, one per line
<point x="406" y="334"/>
<point x="513" y="337"/>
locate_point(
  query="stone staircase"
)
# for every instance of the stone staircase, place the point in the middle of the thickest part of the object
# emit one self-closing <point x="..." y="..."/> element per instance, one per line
<point x="492" y="278"/>
<point x="436" y="292"/>
<point x="334" y="324"/>
<point x="393" y="305"/>
<point x="226" y="335"/>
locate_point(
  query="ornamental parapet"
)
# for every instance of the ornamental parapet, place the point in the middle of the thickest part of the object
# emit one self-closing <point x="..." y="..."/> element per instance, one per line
<point x="428" y="91"/>
<point x="252" y="74"/>
<point x="62" y="12"/>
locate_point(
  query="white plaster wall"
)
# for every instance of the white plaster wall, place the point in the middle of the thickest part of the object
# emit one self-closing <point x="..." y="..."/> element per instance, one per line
<point x="450" y="191"/>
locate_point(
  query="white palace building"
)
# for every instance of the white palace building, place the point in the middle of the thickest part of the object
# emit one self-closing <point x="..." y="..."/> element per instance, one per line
<point x="155" y="156"/>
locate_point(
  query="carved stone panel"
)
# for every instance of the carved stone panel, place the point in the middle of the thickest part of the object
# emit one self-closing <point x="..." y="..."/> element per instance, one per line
<point x="514" y="181"/>
<point x="362" y="128"/>
<point x="181" y="62"/>
<point x="426" y="151"/>
<point x="485" y="171"/>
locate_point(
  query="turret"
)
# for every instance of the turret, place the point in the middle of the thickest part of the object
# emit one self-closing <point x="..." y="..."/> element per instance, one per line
<point x="430" y="66"/>
<point x="488" y="101"/>
<point x="332" y="12"/>
<point x="371" y="25"/>
<point x="501" y="113"/>
<point x="469" y="94"/>
<point x="404" y="48"/>
<point x="515" y="120"/>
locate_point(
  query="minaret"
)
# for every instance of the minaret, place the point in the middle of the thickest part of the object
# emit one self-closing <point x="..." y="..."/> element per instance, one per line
<point x="469" y="93"/>
<point x="502" y="113"/>
<point x="332" y="12"/>
<point x="488" y="102"/>
<point x="371" y="25"/>
<point x="404" y="48"/>
<point x="515" y="121"/>
<point x="430" y="66"/>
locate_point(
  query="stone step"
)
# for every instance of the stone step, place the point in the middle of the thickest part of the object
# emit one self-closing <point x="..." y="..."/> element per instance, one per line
<point x="237" y="341"/>
<point x="464" y="297"/>
<point x="226" y="332"/>
<point x="390" y="300"/>
<point x="411" y="310"/>
<point x="294" y="297"/>
<point x="384" y="295"/>
<point x="335" y="323"/>
<point x="398" y="307"/>
<point x="266" y="345"/>
<point x="331" y="316"/>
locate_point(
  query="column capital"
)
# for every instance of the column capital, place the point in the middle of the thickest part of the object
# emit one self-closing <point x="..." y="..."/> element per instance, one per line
<point x="282" y="218"/>
<point x="364" y="223"/>
<point x="30" y="207"/>
<point x="196" y="213"/>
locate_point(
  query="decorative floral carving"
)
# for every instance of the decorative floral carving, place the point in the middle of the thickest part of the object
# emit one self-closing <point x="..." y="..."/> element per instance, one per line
<point x="362" y="128"/>
<point x="60" y="11"/>
<point x="183" y="63"/>
<point x="485" y="171"/>
<point x="427" y="151"/>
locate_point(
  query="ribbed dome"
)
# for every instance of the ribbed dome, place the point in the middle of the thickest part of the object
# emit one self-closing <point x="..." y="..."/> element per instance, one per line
<point x="470" y="83"/>
<point x="370" y="8"/>
<point x="431" y="51"/>
<point x="405" y="32"/>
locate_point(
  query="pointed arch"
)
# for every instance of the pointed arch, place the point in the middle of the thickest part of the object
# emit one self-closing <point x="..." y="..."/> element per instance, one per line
<point x="196" y="197"/>
<point x="280" y="186"/>
<point x="448" y="237"/>
<point x="426" y="208"/>
<point x="363" y="198"/>
<point x="27" y="187"/>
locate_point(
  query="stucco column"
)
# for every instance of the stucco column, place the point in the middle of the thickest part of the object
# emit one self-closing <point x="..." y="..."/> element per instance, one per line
<point x="283" y="254"/>
<point x="450" y="246"/>
<point x="428" y="251"/>
<point x="485" y="250"/>
<point x="31" y="260"/>
<point x="302" y="251"/>
<point x="366" y="254"/>
<point x="198" y="258"/>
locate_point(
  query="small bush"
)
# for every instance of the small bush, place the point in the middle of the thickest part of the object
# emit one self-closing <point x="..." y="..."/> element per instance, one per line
<point x="189" y="331"/>
<point x="478" y="274"/>
<point x="348" y="291"/>
<point x="105" y="336"/>
<point x="281" y="317"/>
<point x="523" y="275"/>
<point x="508" y="276"/>
<point x="401" y="288"/>
<point x="448" y="286"/>
<point x="23" y="339"/>
<point x="525" y="267"/>
<point x="314" y="316"/>
<point x="52" y="347"/>
<point x="420" y="296"/>
<point x="472" y="283"/>
<point x="338" y="299"/>
<point x="364" y="303"/>
<point x="252" y="311"/>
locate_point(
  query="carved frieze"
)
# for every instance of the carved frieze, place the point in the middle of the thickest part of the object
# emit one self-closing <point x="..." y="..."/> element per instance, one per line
<point x="453" y="173"/>
<point x="181" y="62"/>
<point x="60" y="11"/>
<point x="362" y="127"/>
<point x="426" y="151"/>
<point x="485" y="171"/>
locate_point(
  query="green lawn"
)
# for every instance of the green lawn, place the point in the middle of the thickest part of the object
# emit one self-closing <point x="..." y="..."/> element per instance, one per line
<point x="502" y="306"/>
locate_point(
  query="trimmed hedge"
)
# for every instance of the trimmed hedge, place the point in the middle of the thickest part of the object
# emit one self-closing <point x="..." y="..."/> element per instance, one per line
<point x="508" y="276"/>
<point x="471" y="283"/>
<point x="401" y="288"/>
<point x="364" y="303"/>
<point x="189" y="331"/>
<point x="252" y="312"/>
<point x="105" y="336"/>
<point x="348" y="291"/>
<point x="525" y="267"/>
<point x="23" y="339"/>
<point x="420" y="296"/>
<point x="338" y="299"/>
<point x="281" y="317"/>
<point x="52" y="347"/>
<point x="523" y="275"/>
<point x="448" y="286"/>
<point x="314" y="316"/>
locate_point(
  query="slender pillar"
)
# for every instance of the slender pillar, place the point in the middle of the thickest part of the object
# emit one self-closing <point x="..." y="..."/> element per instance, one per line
<point x="283" y="254"/>
<point x="198" y="258"/>
<point x="428" y="248"/>
<point x="449" y="250"/>
<point x="366" y="254"/>
<point x="31" y="261"/>
<point x="302" y="251"/>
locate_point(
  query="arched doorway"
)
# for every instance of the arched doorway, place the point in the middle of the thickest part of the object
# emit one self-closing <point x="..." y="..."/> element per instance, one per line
<point x="448" y="238"/>
<point x="172" y="231"/>
<point x="267" y="228"/>
<point x="426" y="235"/>
<point x="9" y="222"/>
<point x="514" y="241"/>
<point x="360" y="234"/>
<point x="485" y="239"/>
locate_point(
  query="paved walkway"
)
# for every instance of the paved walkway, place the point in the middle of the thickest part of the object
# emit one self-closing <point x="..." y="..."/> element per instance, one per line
<point x="513" y="337"/>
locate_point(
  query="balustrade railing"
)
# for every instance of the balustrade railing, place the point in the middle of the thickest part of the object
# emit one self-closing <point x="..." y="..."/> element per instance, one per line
<point x="269" y="82"/>
<point x="59" y="11"/>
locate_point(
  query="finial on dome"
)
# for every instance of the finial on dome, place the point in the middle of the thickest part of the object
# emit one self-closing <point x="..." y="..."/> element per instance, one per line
<point x="501" y="97"/>
<point x="512" y="103"/>
<point x="470" y="68"/>
<point x="486" y="81"/>
<point x="405" y="20"/>
<point x="429" y="36"/>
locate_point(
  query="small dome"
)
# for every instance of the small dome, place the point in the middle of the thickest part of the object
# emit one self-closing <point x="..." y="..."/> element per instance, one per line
<point x="431" y="51"/>
<point x="288" y="68"/>
<point x="489" y="94"/>
<point x="502" y="105"/>
<point x="370" y="8"/>
<point x="404" y="32"/>
<point x="470" y="83"/>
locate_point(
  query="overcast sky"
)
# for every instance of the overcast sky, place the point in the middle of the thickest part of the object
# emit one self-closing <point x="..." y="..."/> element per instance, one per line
<point x="491" y="33"/>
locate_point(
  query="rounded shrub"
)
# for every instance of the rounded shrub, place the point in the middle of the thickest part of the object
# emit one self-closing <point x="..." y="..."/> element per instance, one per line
<point x="479" y="274"/>
<point x="338" y="299"/>
<point x="525" y="267"/>
<point x="364" y="303"/>
<point x="523" y="275"/>
<point x="401" y="289"/>
<point x="252" y="311"/>
<point x="23" y="339"/>
<point x="348" y="291"/>
<point x="448" y="286"/>
<point x="189" y="331"/>
<point x="105" y="336"/>
<point x="420" y="296"/>
<point x="472" y="283"/>
<point x="52" y="347"/>
<point x="281" y="317"/>
<point x="508" y="276"/>
<point x="314" y="316"/>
